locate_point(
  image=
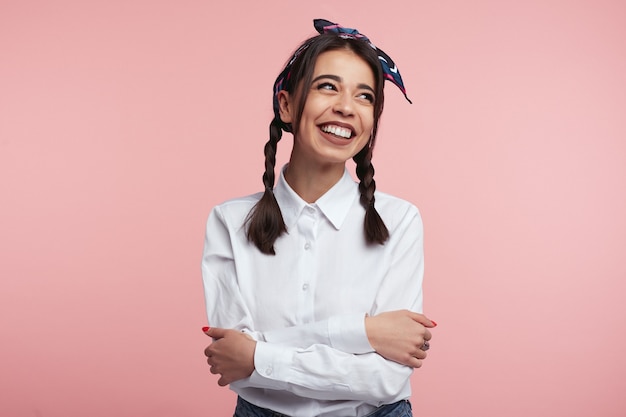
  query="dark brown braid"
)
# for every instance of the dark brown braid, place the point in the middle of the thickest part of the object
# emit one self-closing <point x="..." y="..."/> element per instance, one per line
<point x="375" y="229"/>
<point x="265" y="220"/>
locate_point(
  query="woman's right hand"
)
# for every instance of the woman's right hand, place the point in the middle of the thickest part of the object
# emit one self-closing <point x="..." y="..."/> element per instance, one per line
<point x="231" y="355"/>
<point x="399" y="336"/>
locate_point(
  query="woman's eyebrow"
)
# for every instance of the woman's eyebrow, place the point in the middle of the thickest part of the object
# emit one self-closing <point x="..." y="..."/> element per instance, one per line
<point x="339" y="80"/>
<point x="332" y="77"/>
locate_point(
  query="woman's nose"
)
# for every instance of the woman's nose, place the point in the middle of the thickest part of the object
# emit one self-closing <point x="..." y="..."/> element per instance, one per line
<point x="344" y="104"/>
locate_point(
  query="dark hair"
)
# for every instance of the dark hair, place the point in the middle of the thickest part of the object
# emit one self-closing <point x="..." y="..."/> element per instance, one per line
<point x="265" y="221"/>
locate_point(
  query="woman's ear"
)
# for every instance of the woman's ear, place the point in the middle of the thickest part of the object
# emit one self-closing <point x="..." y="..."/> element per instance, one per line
<point x="285" y="107"/>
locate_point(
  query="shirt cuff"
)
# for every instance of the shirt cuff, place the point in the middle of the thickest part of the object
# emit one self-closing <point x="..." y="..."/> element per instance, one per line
<point x="269" y="363"/>
<point x="347" y="333"/>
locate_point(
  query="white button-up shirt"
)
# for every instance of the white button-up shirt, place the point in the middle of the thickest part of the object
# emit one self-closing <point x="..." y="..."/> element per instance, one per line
<point x="306" y="305"/>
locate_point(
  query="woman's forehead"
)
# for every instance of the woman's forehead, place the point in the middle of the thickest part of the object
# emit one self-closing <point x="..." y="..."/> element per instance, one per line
<point x="345" y="65"/>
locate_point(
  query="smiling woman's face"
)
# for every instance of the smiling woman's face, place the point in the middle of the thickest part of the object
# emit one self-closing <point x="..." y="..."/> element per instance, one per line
<point x="338" y="115"/>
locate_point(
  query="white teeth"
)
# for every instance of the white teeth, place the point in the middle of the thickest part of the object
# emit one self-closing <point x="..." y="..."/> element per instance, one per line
<point x="337" y="131"/>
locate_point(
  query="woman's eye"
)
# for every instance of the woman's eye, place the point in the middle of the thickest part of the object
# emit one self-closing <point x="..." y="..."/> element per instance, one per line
<point x="326" y="86"/>
<point x="367" y="96"/>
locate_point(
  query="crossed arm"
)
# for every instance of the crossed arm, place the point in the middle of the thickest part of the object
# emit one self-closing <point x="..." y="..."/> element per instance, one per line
<point x="397" y="336"/>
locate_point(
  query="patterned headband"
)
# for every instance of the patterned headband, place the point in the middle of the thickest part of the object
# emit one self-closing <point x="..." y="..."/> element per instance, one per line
<point x="390" y="70"/>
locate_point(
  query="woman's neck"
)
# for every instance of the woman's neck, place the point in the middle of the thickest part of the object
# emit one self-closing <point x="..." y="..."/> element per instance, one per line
<point x="311" y="181"/>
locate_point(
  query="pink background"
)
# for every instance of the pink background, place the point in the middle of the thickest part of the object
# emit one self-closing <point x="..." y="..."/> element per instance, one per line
<point x="123" y="122"/>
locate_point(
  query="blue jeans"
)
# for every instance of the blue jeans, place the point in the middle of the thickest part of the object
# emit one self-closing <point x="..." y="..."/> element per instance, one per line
<point x="399" y="409"/>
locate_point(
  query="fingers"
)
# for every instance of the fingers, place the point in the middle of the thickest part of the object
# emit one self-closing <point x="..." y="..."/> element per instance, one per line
<point x="427" y="335"/>
<point x="414" y="362"/>
<point x="215" y="332"/>
<point x="413" y="357"/>
<point x="419" y="354"/>
<point x="213" y="368"/>
<point x="421" y="319"/>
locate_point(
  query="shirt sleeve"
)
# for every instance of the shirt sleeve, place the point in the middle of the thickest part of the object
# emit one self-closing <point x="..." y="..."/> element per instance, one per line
<point x="401" y="287"/>
<point x="345" y="333"/>
<point x="324" y="373"/>
<point x="224" y="304"/>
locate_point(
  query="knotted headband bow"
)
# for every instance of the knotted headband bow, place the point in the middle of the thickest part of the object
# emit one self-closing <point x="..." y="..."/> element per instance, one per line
<point x="390" y="70"/>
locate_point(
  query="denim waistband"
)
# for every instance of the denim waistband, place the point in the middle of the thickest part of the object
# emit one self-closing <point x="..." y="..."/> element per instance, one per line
<point x="398" y="409"/>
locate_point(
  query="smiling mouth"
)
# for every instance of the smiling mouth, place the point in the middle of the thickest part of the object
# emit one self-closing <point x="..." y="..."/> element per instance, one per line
<point x="338" y="131"/>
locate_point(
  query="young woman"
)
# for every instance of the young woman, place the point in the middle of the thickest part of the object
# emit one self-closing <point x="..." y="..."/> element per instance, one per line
<point x="315" y="286"/>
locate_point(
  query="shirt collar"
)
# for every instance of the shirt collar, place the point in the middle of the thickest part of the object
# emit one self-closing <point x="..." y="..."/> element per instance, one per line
<point x="334" y="204"/>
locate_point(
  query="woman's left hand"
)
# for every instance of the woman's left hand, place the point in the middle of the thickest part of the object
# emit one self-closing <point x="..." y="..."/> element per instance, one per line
<point x="231" y="355"/>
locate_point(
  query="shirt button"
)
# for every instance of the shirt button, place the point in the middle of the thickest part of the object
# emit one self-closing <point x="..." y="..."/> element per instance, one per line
<point x="307" y="246"/>
<point x="268" y="370"/>
<point x="310" y="210"/>
<point x="305" y="287"/>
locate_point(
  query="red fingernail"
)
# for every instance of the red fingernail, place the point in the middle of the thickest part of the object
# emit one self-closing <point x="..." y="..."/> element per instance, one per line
<point x="434" y="323"/>
<point x="205" y="329"/>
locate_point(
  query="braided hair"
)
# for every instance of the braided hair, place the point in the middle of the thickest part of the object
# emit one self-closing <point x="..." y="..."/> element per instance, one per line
<point x="265" y="220"/>
<point x="375" y="229"/>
